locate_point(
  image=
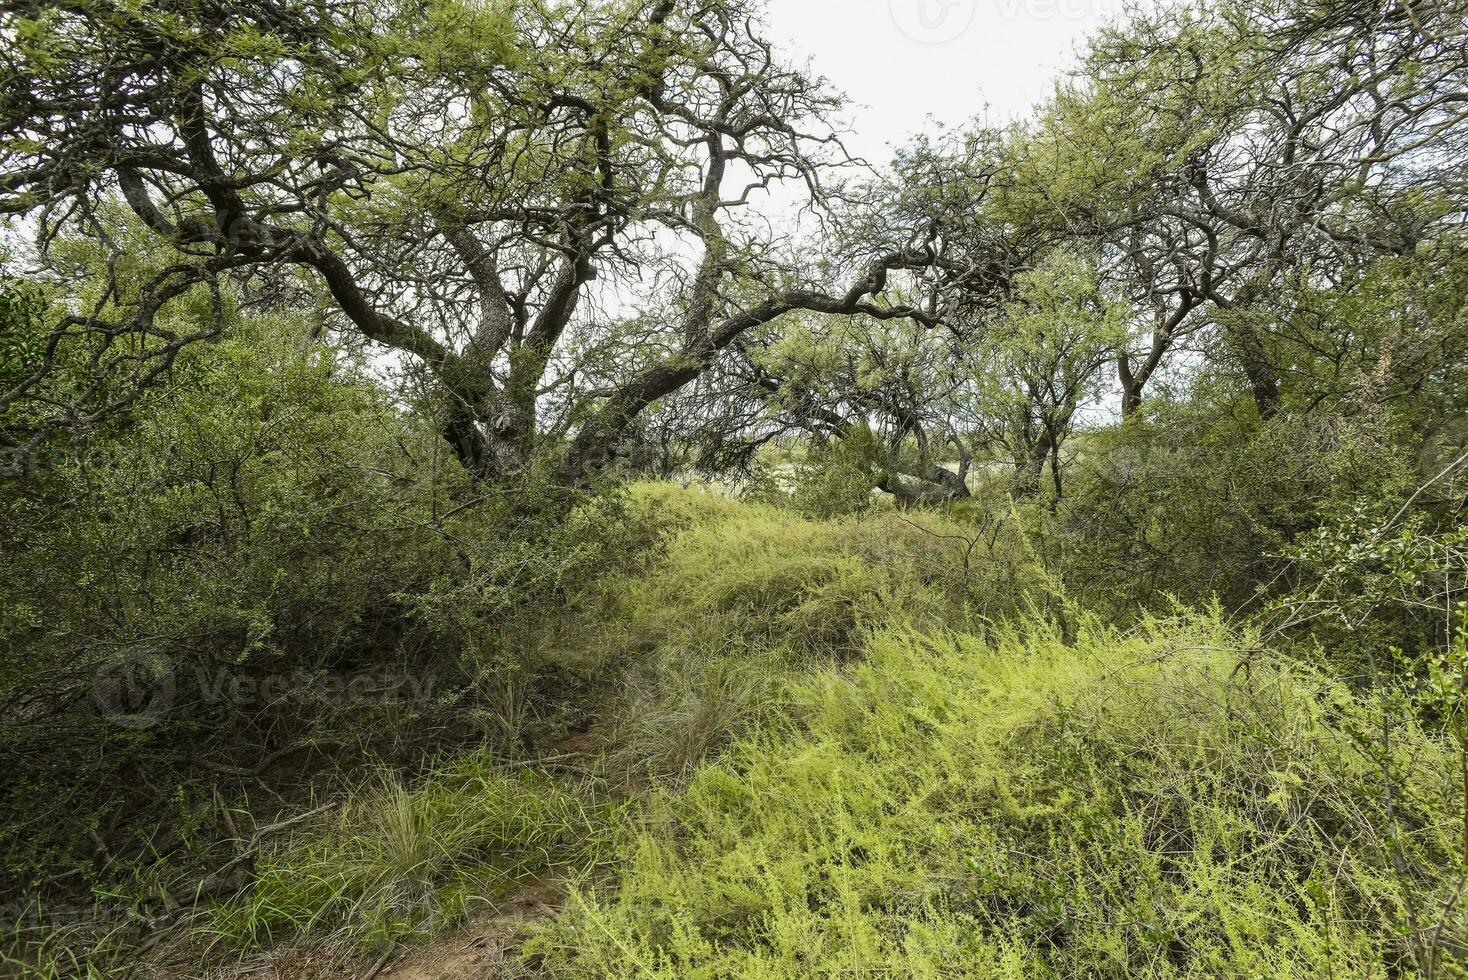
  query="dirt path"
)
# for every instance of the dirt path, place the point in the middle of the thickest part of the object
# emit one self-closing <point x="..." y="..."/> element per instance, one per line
<point x="482" y="949"/>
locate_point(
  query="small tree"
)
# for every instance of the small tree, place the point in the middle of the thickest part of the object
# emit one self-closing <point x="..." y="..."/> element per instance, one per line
<point x="1039" y="364"/>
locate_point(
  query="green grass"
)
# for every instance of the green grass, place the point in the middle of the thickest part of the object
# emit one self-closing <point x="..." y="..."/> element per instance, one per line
<point x="400" y="862"/>
<point x="838" y="752"/>
<point x="36" y="947"/>
<point x="1127" y="806"/>
<point x="740" y="575"/>
<point x="746" y="596"/>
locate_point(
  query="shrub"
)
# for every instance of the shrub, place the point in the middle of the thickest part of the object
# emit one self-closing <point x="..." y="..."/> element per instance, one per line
<point x="836" y="478"/>
<point x="401" y="862"/>
<point x="1190" y="504"/>
<point x="755" y="575"/>
<point x="1143" y="805"/>
<point x="269" y="526"/>
<point x="247" y="524"/>
<point x="1376" y="585"/>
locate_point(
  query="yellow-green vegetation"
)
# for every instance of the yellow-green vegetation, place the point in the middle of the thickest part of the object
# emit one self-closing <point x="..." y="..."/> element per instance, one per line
<point x="852" y="773"/>
<point x="502" y="469"/>
<point x="697" y="649"/>
<point x="742" y="574"/>
<point x="744" y="593"/>
<point x="1148" y="804"/>
<point x="399" y="862"/>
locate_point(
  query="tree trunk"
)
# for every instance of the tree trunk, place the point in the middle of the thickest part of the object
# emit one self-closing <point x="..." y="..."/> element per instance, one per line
<point x="1131" y="387"/>
<point x="1263" y="381"/>
<point x="937" y="485"/>
<point x="1029" y="468"/>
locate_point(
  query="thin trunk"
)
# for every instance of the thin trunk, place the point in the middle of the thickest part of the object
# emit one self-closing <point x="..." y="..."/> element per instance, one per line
<point x="1030" y="467"/>
<point x="1055" y="472"/>
<point x="1131" y="386"/>
<point x="1263" y="381"/>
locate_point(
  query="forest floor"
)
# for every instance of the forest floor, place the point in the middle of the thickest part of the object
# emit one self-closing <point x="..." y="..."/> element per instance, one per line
<point x="874" y="744"/>
<point x="483" y="948"/>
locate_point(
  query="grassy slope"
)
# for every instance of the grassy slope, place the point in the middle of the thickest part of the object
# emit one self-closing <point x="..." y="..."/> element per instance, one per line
<point x="1123" y="806"/>
<point x="848" y="779"/>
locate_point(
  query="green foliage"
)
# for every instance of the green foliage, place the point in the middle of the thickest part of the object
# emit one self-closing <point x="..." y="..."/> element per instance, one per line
<point x="400" y="862"/>
<point x="46" y="951"/>
<point x="798" y="734"/>
<point x="1378" y="581"/>
<point x="1386" y="342"/>
<point x="681" y="707"/>
<point x="526" y="552"/>
<point x="1189" y="503"/>
<point x="757" y="576"/>
<point x="829" y="479"/>
<point x="238" y="527"/>
<point x="22" y="337"/>
<point x="836" y="480"/>
<point x="1125" y="806"/>
<point x="744" y="596"/>
<point x="1040" y="365"/>
<point x="266" y="557"/>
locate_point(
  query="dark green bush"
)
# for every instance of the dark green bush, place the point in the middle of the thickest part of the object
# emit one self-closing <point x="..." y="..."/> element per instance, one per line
<point x="1193" y="504"/>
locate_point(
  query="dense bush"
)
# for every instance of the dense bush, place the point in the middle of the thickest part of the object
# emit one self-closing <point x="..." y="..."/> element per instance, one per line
<point x="266" y="565"/>
<point x="207" y="540"/>
<point x="1189" y="503"/>
<point x="1137" y="805"/>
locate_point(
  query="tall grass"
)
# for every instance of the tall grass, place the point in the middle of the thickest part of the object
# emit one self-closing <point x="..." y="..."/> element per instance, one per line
<point x="746" y="596"/>
<point x="1130" y="805"/>
<point x="400" y="863"/>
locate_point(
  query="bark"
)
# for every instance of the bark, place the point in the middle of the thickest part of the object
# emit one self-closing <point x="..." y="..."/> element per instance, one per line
<point x="600" y="437"/>
<point x="1029" y="466"/>
<point x="1260" y="373"/>
<point x="933" y="484"/>
<point x="1134" y="379"/>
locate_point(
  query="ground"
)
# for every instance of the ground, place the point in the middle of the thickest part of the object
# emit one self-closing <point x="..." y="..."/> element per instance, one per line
<point x="482" y="949"/>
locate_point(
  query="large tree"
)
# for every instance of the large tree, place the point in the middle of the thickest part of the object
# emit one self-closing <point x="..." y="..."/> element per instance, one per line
<point x="480" y="190"/>
<point x="1225" y="152"/>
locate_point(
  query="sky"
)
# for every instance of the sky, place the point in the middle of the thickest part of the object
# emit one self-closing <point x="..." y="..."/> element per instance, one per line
<point x="902" y="61"/>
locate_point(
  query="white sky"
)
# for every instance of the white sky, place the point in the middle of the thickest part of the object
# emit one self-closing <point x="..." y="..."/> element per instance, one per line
<point x="902" y="61"/>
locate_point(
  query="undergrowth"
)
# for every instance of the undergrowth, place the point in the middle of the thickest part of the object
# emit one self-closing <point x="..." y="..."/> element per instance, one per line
<point x="1130" y="805"/>
<point x="403" y="862"/>
<point x="745" y="595"/>
<point x="865" y="745"/>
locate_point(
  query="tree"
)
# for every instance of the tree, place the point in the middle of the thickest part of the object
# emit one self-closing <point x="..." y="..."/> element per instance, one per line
<point x="1221" y="152"/>
<point x="890" y="383"/>
<point x="1039" y="364"/>
<point x="471" y="186"/>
